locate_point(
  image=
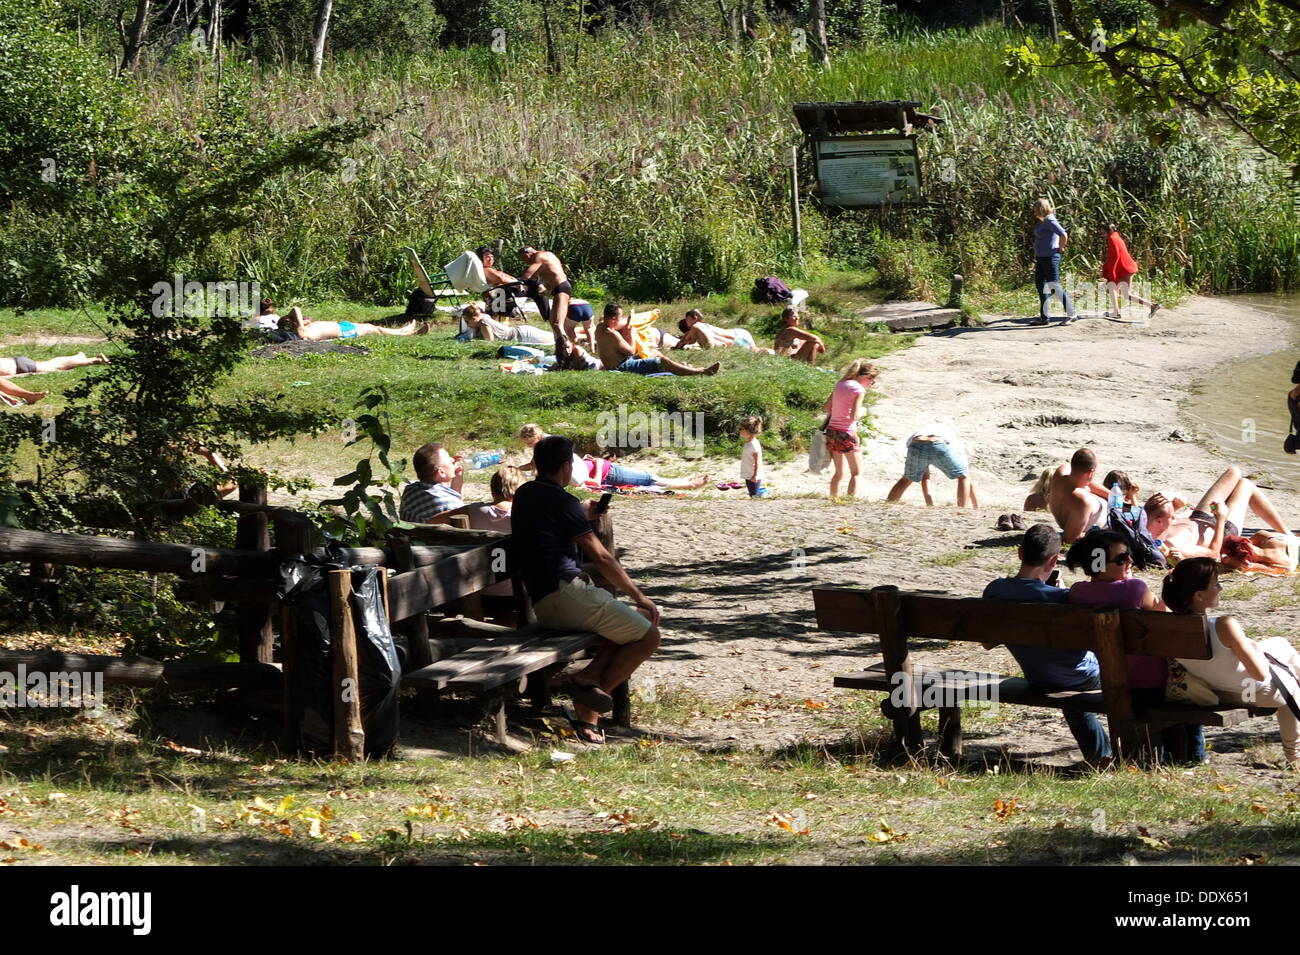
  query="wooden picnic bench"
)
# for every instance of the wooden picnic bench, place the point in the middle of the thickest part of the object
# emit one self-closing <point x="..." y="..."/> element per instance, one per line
<point x="467" y="655"/>
<point x="896" y="617"/>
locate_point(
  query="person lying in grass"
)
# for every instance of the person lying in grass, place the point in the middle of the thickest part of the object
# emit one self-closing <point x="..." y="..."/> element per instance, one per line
<point x="21" y="365"/>
<point x="318" y="330"/>
<point x="488" y="329"/>
<point x="696" y="331"/>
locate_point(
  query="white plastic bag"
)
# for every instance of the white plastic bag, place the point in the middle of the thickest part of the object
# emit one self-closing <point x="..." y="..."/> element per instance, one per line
<point x="818" y="456"/>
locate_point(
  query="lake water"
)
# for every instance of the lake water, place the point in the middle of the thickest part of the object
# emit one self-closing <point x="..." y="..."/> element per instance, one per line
<point x="1241" y="411"/>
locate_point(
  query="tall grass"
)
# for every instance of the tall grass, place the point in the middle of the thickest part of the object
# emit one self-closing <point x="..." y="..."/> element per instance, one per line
<point x="654" y="170"/>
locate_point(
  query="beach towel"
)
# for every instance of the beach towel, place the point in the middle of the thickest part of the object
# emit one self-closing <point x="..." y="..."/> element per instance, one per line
<point x="644" y="336"/>
<point x="466" y="273"/>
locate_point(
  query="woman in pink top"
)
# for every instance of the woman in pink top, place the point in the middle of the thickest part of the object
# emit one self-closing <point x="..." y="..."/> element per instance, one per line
<point x="843" y="409"/>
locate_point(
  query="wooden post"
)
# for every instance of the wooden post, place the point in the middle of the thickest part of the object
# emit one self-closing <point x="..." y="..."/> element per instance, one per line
<point x="290" y="741"/>
<point x="253" y="532"/>
<point x="471" y="605"/>
<point x="1115" y="692"/>
<point x="349" y="737"/>
<point x="954" y="291"/>
<point x="898" y="665"/>
<point x="415" y="629"/>
<point x="794" y="202"/>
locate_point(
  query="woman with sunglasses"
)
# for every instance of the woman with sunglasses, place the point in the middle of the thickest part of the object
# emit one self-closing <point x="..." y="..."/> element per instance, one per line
<point x="1104" y="556"/>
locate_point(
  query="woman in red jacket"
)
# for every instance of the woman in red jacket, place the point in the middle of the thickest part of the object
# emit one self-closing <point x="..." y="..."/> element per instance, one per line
<point x="1118" y="273"/>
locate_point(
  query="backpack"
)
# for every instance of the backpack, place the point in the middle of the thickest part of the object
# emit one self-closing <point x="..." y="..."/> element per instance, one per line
<point x="1143" y="547"/>
<point x="419" y="305"/>
<point x="770" y="291"/>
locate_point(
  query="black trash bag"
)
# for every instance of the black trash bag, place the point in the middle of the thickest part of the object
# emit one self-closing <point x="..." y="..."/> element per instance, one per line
<point x="305" y="589"/>
<point x="377" y="662"/>
<point x="419" y="305"/>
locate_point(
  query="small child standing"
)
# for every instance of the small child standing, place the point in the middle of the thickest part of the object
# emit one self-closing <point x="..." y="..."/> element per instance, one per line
<point x="751" y="456"/>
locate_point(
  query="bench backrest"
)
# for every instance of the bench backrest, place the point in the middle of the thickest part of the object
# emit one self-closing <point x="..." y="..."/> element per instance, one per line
<point x="1063" y="626"/>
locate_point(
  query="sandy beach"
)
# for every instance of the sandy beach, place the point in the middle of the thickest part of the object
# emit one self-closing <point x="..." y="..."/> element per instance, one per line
<point x="734" y="578"/>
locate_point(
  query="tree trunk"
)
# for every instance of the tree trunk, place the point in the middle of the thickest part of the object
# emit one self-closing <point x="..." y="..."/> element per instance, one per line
<point x="318" y="35"/>
<point x="552" y="54"/>
<point x="820" y="40"/>
<point x="1051" y="13"/>
<point x="135" y="37"/>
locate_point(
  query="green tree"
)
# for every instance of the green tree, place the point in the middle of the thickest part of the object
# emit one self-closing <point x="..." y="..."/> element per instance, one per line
<point x="1238" y="60"/>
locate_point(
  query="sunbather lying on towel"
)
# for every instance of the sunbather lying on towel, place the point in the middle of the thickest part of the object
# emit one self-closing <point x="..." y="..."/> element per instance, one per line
<point x="318" y="330"/>
<point x="20" y="365"/>
<point x="489" y="329"/>
<point x="696" y="331"/>
<point x="594" y="472"/>
<point x="1217" y="518"/>
<point x="12" y="394"/>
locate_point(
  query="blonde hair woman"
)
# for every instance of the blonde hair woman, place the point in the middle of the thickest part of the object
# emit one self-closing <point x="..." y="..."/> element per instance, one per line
<point x="1049" y="241"/>
<point x="843" y="409"/>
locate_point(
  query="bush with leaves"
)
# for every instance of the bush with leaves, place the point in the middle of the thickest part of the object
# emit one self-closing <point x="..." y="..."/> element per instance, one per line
<point x="367" y="517"/>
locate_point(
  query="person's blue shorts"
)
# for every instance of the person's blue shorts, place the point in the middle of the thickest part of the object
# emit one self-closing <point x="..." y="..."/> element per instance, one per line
<point x="742" y="338"/>
<point x="641" y="366"/>
<point x="581" y="312"/>
<point x="620" y="476"/>
<point x="347" y="330"/>
<point x="925" y="454"/>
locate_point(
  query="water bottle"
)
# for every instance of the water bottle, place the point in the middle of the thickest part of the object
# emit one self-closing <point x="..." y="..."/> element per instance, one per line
<point x="485" y="459"/>
<point x="1116" y="496"/>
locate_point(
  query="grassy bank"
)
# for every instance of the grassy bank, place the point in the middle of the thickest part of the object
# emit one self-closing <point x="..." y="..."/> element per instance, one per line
<point x="457" y="393"/>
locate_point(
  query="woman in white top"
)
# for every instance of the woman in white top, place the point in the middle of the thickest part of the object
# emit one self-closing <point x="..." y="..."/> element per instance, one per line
<point x="489" y="329"/>
<point x="1241" y="670"/>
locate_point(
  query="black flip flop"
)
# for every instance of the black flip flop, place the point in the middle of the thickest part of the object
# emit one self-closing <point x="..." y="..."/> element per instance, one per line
<point x="588" y="733"/>
<point x="590" y="696"/>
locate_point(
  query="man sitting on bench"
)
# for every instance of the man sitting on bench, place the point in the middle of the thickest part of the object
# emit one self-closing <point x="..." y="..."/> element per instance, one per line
<point x="1047" y="669"/>
<point x="550" y="527"/>
<point x="437" y="489"/>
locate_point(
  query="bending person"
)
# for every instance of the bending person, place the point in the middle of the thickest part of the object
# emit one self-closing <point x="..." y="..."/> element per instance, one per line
<point x="318" y="330"/>
<point x="544" y="270"/>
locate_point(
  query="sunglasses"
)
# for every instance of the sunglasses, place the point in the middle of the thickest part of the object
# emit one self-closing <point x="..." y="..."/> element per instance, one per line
<point x="1124" y="558"/>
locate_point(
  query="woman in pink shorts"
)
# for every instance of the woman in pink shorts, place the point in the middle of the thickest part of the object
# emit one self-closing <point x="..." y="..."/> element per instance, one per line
<point x="844" y="408"/>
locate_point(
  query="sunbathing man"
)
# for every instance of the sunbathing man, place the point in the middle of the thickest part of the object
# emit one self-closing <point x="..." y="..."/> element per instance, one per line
<point x="793" y="342"/>
<point x="614" y="343"/>
<point x="12" y="394"/>
<point x="545" y="270"/>
<point x="696" y="331"/>
<point x="317" y="330"/>
<point x="20" y="365"/>
<point x="1203" y="533"/>
<point x="487" y="328"/>
<point x="1075" y="498"/>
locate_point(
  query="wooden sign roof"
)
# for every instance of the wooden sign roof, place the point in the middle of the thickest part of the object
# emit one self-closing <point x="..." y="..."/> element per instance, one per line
<point x="862" y="117"/>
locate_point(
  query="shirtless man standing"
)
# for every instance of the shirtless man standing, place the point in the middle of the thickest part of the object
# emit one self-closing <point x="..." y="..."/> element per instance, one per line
<point x="793" y="342"/>
<point x="1075" y="498"/>
<point x="1203" y="532"/>
<point x="614" y="343"/>
<point x="545" y="269"/>
<point x="696" y="331"/>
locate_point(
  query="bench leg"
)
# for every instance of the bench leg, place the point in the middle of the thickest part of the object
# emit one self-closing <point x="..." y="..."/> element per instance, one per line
<point x="539" y="687"/>
<point x="621" y="715"/>
<point x="950" y="743"/>
<point x="907" y="728"/>
<point x="494" y="714"/>
<point x="1131" y="741"/>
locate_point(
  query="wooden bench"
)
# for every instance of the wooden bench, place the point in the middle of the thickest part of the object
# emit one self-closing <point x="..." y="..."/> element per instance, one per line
<point x="498" y="663"/>
<point x="897" y="617"/>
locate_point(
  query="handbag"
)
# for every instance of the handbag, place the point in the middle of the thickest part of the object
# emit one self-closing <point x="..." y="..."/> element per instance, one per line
<point x="1278" y="682"/>
<point x="1183" y="686"/>
<point x="818" y="455"/>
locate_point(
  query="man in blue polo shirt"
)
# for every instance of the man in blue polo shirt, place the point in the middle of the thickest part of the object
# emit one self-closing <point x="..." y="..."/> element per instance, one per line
<point x="549" y="527"/>
<point x="1046" y="668"/>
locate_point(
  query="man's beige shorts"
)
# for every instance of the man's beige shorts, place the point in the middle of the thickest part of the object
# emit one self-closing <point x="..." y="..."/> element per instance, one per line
<point x="577" y="605"/>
